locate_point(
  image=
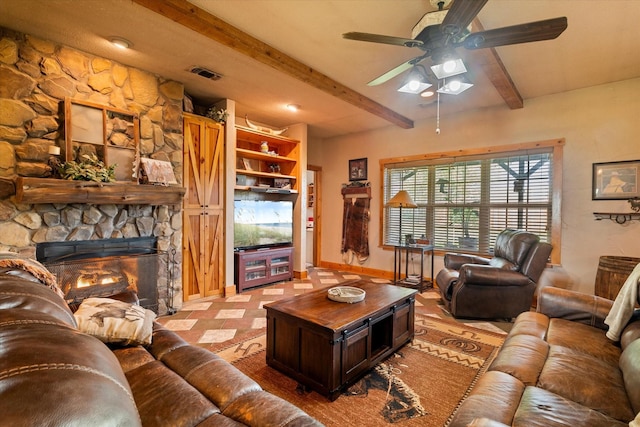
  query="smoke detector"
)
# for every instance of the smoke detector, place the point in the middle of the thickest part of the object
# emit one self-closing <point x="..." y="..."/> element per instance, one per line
<point x="206" y="73"/>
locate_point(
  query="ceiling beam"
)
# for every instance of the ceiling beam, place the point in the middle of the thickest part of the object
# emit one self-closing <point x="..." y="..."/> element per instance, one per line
<point x="497" y="73"/>
<point x="201" y="21"/>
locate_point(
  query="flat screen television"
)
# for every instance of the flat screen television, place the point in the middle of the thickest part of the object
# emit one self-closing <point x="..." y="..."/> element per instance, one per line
<point x="262" y="223"/>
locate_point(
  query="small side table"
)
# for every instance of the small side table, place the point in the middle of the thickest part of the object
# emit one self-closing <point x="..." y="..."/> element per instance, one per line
<point x="420" y="284"/>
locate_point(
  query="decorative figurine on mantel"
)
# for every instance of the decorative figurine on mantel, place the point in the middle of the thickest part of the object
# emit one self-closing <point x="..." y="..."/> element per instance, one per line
<point x="54" y="161"/>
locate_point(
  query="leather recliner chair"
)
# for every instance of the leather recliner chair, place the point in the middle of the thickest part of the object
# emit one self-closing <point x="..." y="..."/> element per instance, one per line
<point x="498" y="288"/>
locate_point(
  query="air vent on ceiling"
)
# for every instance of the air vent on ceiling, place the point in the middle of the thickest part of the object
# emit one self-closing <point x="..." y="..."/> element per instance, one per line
<point x="207" y="74"/>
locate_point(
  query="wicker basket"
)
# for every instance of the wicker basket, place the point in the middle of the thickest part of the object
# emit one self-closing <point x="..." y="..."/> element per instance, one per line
<point x="347" y="294"/>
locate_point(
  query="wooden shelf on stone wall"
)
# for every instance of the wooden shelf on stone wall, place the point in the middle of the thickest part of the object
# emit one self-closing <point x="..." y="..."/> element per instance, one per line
<point x="48" y="190"/>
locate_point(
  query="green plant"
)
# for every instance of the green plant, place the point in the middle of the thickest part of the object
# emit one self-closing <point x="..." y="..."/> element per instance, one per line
<point x="89" y="169"/>
<point x="219" y="115"/>
<point x="464" y="216"/>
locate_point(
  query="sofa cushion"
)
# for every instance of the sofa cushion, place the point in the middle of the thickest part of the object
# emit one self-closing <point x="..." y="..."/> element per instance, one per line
<point x="518" y="348"/>
<point x="52" y="375"/>
<point x="630" y="367"/>
<point x="514" y="245"/>
<point x="496" y="395"/>
<point x="587" y="380"/>
<point x="163" y="397"/>
<point x="503" y="264"/>
<point x="541" y="408"/>
<point x="28" y="295"/>
<point x="114" y="321"/>
<point x="584" y="339"/>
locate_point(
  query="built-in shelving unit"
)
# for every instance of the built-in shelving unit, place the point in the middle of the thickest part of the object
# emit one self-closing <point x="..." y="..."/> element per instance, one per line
<point x="270" y="168"/>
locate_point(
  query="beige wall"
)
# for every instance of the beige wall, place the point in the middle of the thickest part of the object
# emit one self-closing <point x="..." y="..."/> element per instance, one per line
<point x="599" y="124"/>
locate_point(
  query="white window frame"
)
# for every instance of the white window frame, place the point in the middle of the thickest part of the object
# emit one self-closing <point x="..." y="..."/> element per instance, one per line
<point x="422" y="221"/>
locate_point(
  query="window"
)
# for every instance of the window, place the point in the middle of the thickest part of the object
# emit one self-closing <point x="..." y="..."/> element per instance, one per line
<point x="464" y="202"/>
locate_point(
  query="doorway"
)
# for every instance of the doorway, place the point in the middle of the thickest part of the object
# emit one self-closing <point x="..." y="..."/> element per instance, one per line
<point x="314" y="216"/>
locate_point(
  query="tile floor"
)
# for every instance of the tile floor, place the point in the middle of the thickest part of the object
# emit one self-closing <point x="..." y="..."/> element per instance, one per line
<point x="211" y="322"/>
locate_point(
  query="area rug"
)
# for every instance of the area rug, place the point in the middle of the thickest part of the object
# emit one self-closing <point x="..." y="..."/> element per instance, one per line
<point x="419" y="385"/>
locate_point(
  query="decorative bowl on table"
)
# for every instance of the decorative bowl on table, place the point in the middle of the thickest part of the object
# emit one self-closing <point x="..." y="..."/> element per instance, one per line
<point x="347" y="294"/>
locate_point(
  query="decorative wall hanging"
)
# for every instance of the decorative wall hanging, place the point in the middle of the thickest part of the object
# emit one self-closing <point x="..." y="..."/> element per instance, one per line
<point x="616" y="180"/>
<point x="358" y="169"/>
<point x="355" y="222"/>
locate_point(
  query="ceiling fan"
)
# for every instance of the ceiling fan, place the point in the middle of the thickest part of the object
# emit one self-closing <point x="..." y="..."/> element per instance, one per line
<point x="440" y="32"/>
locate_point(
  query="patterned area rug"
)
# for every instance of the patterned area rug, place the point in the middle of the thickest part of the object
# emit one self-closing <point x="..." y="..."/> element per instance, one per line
<point x="420" y="385"/>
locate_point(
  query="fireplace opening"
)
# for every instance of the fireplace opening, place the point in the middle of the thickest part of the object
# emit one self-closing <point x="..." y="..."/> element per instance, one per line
<point x="101" y="268"/>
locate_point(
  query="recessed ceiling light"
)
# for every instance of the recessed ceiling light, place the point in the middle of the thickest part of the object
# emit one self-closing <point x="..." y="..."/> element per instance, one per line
<point x="121" y="43"/>
<point x="293" y="107"/>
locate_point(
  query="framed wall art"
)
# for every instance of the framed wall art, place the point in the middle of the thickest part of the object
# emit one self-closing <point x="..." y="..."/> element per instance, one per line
<point x="358" y="169"/>
<point x="616" y="180"/>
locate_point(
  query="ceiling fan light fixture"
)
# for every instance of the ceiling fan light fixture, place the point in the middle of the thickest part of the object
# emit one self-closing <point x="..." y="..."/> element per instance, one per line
<point x="416" y="82"/>
<point x="448" y="68"/>
<point x="455" y="86"/>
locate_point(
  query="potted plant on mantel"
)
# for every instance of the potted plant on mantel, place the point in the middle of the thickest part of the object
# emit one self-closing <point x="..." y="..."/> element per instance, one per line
<point x="89" y="169"/>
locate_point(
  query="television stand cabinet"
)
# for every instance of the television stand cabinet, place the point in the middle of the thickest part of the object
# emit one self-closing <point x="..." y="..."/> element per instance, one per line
<point x="256" y="267"/>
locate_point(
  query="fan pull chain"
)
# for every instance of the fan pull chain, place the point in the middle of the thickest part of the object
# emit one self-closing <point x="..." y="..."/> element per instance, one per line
<point x="438" y="111"/>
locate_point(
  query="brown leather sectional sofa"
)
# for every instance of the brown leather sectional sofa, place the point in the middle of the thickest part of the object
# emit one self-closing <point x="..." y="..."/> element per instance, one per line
<point x="51" y="374"/>
<point x="557" y="368"/>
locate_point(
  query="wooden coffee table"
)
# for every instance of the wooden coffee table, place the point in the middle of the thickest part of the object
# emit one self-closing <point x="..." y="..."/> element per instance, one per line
<point x="326" y="345"/>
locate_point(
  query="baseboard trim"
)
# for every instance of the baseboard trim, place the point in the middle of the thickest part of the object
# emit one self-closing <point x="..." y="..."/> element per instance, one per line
<point x="357" y="269"/>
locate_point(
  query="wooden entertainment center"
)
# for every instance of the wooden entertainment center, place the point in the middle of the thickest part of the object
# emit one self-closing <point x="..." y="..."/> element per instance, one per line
<point x="267" y="168"/>
<point x="257" y="267"/>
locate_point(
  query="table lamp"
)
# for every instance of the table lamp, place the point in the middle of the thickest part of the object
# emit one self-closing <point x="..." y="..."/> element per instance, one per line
<point x="402" y="199"/>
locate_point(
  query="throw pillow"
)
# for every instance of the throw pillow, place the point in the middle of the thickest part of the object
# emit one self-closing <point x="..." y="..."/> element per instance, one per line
<point x="115" y="322"/>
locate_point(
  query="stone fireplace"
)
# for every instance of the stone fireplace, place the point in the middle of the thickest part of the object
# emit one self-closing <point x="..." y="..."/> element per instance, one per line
<point x="102" y="268"/>
<point x="36" y="76"/>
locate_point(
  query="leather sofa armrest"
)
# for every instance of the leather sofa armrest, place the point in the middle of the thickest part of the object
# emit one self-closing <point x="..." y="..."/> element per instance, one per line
<point x="471" y="274"/>
<point x="454" y="261"/>
<point x="575" y="306"/>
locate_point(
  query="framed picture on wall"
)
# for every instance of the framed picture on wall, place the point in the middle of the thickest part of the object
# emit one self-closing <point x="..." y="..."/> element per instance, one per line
<point x="358" y="169"/>
<point x="616" y="180"/>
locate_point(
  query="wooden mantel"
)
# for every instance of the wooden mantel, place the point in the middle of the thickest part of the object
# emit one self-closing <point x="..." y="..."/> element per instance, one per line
<point x="48" y="190"/>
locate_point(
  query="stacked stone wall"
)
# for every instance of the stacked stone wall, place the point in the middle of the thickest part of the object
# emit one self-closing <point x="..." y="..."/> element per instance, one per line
<point x="35" y="77"/>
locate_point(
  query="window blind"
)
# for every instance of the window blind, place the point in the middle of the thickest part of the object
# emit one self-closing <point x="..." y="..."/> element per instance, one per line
<point x="466" y="202"/>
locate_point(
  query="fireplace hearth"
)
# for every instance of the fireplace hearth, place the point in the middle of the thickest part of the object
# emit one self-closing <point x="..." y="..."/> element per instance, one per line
<point x="101" y="268"/>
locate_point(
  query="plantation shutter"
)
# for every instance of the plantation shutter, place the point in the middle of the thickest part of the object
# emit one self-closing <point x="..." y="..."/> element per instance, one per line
<point x="464" y="204"/>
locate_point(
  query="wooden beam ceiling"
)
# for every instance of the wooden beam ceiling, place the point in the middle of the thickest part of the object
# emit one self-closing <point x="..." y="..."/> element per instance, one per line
<point x="218" y="30"/>
<point x="495" y="70"/>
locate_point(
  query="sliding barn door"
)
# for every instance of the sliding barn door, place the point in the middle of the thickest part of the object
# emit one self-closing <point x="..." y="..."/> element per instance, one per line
<point x="203" y="227"/>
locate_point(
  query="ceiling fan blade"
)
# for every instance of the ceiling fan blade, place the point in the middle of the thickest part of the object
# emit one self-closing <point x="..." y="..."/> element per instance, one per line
<point x="395" y="71"/>
<point x="460" y="15"/>
<point x="377" y="38"/>
<point x="523" y="33"/>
